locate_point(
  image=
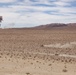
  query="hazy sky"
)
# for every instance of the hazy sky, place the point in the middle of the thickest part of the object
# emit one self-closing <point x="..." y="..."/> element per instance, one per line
<point x="25" y="13"/>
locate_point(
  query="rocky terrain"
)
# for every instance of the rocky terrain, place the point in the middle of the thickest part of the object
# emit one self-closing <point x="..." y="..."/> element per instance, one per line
<point x="32" y="51"/>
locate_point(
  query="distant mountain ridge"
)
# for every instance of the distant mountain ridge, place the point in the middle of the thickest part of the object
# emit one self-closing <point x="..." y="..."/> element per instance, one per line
<point x="56" y="25"/>
<point x="51" y="26"/>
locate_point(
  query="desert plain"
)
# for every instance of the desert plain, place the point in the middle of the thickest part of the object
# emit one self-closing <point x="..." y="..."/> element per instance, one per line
<point x="38" y="51"/>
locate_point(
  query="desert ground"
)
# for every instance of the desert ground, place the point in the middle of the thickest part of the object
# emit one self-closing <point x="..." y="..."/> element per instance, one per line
<point x="37" y="51"/>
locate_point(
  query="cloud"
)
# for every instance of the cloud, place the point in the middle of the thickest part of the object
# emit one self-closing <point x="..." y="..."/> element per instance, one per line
<point x="60" y="3"/>
<point x="6" y="1"/>
<point x="36" y="12"/>
<point x="67" y="0"/>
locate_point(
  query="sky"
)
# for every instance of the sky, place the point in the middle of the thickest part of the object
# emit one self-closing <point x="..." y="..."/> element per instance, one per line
<point x="29" y="13"/>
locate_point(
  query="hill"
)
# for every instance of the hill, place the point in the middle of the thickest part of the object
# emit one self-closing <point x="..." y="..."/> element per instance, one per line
<point x="57" y="25"/>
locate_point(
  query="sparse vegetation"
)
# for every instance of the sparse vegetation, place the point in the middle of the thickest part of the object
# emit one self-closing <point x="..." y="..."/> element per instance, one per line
<point x="49" y="64"/>
<point x="27" y="73"/>
<point x="64" y="70"/>
<point x="20" y="46"/>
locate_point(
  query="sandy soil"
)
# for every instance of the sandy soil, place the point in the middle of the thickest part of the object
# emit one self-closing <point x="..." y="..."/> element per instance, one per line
<point x="22" y="52"/>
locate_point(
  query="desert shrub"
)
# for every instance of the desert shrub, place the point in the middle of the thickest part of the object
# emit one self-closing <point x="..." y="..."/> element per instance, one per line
<point x="64" y="70"/>
<point x="56" y="54"/>
<point x="0" y="56"/>
<point x="31" y="63"/>
<point x="27" y="73"/>
<point x="42" y="45"/>
<point x="49" y="64"/>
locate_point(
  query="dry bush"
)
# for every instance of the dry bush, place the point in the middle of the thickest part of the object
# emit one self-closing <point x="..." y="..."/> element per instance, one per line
<point x="27" y="73"/>
<point x="49" y="64"/>
<point x="31" y="63"/>
<point x="56" y="54"/>
<point x="64" y="70"/>
<point x="0" y="56"/>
